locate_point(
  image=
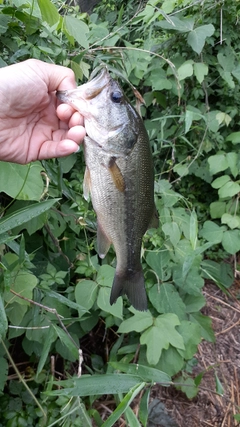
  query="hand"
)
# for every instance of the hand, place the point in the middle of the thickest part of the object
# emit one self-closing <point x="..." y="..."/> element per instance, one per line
<point x="32" y="124"/>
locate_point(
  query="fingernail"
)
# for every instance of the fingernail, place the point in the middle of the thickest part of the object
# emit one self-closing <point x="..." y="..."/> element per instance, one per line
<point x="78" y="149"/>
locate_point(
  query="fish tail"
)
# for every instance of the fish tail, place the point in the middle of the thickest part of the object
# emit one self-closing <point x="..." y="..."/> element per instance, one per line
<point x="131" y="285"/>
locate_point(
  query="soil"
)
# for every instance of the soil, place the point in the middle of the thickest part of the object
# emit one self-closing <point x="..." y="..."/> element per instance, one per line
<point x="208" y="408"/>
<point x="223" y="357"/>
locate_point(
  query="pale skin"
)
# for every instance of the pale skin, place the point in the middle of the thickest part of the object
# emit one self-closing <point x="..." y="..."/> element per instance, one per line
<point x="33" y="126"/>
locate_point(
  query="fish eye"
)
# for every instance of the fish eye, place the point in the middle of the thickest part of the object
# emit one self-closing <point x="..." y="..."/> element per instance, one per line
<point x="116" y="97"/>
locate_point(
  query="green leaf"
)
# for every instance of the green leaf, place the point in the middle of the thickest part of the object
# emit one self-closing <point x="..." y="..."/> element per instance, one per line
<point x="77" y="29"/>
<point x="146" y="373"/>
<point x="219" y="182"/>
<point x="197" y="37"/>
<point x="233" y="221"/>
<point x="3" y="323"/>
<point x="51" y="337"/>
<point x="23" y="215"/>
<point x="23" y="182"/>
<point x="140" y="321"/>
<point x="229" y="189"/>
<point x="159" y="262"/>
<point x="62" y="299"/>
<point x="217" y="163"/>
<point x="191" y="333"/>
<point x="160" y="335"/>
<point x="86" y="295"/>
<point x="143" y="407"/>
<point x="193" y="229"/>
<point x="200" y="70"/>
<point x="23" y="284"/>
<point x="131" y="418"/>
<point x="3" y="373"/>
<point x="123" y="405"/>
<point x="174" y="23"/>
<point x="221" y="274"/>
<point x="194" y="303"/>
<point x="92" y="385"/>
<point x="105" y="275"/>
<point x="171" y="229"/>
<point x="234" y="137"/>
<point x="66" y="340"/>
<point x="206" y="325"/>
<point x="187" y="386"/>
<point x="185" y="70"/>
<point x="231" y="241"/>
<point x="219" y="387"/>
<point x="181" y="169"/>
<point x="166" y="299"/>
<point x="49" y="12"/>
<point x="232" y="159"/>
<point x="170" y="361"/>
<point x="217" y="209"/>
<point x="103" y="302"/>
<point x="212" y="232"/>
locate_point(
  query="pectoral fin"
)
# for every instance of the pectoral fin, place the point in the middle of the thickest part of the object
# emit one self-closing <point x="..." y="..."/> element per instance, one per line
<point x="86" y="184"/>
<point x="103" y="243"/>
<point x="116" y="174"/>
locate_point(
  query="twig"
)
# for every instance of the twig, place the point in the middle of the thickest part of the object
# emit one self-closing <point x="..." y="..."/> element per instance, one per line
<point x="21" y="379"/>
<point x="50" y="310"/>
<point x="228" y="329"/>
<point x="223" y="302"/>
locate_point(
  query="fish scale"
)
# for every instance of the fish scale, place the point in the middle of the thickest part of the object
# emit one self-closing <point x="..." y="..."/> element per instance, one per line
<point x="120" y="178"/>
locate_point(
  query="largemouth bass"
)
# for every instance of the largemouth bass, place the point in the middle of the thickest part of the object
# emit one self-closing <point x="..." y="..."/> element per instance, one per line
<point x="120" y="178"/>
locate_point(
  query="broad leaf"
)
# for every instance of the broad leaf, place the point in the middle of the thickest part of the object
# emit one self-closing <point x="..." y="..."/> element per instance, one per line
<point x="200" y="71"/>
<point x="23" y="215"/>
<point x="231" y="241"/>
<point x="197" y="37"/>
<point x="23" y="182"/>
<point x="103" y="302"/>
<point x="140" y="321"/>
<point x="217" y="163"/>
<point x="49" y="12"/>
<point x="166" y="299"/>
<point x="212" y="232"/>
<point x="160" y="336"/>
<point x="85" y="294"/>
<point x="77" y="29"/>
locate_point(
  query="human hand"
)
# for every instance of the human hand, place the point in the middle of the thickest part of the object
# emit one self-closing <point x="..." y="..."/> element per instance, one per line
<point x="32" y="124"/>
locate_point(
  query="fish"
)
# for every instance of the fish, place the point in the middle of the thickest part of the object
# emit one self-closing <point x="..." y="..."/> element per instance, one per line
<point x="119" y="176"/>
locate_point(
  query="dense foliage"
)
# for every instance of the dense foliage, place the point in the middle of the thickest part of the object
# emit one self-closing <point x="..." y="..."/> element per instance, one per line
<point x="54" y="294"/>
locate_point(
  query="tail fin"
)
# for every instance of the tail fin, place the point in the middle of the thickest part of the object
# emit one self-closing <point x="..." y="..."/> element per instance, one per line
<point x="131" y="285"/>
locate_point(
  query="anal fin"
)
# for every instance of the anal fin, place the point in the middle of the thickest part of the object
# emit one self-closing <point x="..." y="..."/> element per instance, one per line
<point x="103" y="242"/>
<point x="86" y="184"/>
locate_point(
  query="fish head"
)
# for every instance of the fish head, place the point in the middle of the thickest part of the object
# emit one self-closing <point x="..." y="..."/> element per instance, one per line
<point x="109" y="118"/>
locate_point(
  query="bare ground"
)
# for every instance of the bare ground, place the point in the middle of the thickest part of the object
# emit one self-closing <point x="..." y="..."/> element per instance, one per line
<point x="222" y="357"/>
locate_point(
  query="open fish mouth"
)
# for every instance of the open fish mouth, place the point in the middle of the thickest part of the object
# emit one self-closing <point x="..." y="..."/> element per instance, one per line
<point x="88" y="90"/>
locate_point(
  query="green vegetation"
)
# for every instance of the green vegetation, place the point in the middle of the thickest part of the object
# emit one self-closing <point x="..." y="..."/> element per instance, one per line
<point x="53" y="291"/>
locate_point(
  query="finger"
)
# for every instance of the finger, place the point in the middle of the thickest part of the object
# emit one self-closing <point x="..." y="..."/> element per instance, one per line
<point x="51" y="149"/>
<point x="76" y="133"/>
<point x="56" y="77"/>
<point x="76" y="120"/>
<point x="64" y="112"/>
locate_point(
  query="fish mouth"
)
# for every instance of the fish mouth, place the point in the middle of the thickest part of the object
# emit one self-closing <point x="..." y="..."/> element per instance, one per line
<point x="88" y="90"/>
